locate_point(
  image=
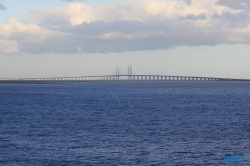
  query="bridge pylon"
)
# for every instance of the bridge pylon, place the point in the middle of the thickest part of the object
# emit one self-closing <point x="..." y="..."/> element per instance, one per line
<point x="129" y="72"/>
<point x="117" y="72"/>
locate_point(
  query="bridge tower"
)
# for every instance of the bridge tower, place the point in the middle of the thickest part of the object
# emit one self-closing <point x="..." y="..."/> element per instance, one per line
<point x="129" y="72"/>
<point x="117" y="72"/>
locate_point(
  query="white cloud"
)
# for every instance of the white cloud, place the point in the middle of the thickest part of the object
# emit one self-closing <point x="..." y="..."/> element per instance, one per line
<point x="129" y="26"/>
<point x="27" y="36"/>
<point x="9" y="47"/>
<point x="144" y="10"/>
<point x="141" y="10"/>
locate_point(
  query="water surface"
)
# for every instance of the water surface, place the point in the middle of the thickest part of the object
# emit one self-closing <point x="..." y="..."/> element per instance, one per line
<point x="124" y="123"/>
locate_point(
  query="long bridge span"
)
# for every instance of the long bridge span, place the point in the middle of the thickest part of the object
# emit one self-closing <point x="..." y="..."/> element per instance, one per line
<point x="122" y="78"/>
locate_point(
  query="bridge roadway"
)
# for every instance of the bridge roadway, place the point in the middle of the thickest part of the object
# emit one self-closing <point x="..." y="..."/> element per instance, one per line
<point x="122" y="77"/>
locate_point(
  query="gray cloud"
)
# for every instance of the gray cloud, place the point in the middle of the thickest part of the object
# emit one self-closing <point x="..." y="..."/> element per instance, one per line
<point x="235" y="4"/>
<point x="2" y="7"/>
<point x="86" y="37"/>
<point x="189" y="2"/>
<point x="193" y="17"/>
<point x="233" y="20"/>
<point x="241" y="16"/>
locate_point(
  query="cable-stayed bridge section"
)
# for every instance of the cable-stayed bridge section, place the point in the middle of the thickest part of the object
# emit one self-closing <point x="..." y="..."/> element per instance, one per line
<point x="123" y="78"/>
<point x="120" y="77"/>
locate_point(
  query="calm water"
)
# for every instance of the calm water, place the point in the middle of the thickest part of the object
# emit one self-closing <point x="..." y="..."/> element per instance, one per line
<point x="124" y="123"/>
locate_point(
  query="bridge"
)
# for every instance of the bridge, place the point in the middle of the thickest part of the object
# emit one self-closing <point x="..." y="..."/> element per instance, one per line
<point x="127" y="77"/>
<point x="118" y="77"/>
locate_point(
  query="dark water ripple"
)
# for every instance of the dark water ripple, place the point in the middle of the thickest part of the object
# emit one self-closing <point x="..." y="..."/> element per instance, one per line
<point x="124" y="123"/>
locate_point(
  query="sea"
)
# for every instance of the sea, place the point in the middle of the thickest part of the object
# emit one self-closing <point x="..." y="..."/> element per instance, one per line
<point x="125" y="123"/>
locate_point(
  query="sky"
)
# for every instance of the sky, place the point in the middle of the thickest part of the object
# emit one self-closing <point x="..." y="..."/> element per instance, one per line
<point x="66" y="38"/>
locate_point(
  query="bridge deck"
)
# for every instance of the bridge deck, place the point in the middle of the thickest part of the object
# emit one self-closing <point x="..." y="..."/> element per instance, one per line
<point x="125" y="77"/>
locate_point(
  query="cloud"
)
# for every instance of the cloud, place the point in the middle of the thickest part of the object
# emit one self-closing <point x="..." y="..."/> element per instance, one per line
<point x="27" y="37"/>
<point x="9" y="47"/>
<point x="236" y="4"/>
<point x="2" y="7"/>
<point x="193" y="17"/>
<point x="143" y="10"/>
<point x="72" y="0"/>
<point x="130" y="25"/>
<point x="189" y="2"/>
